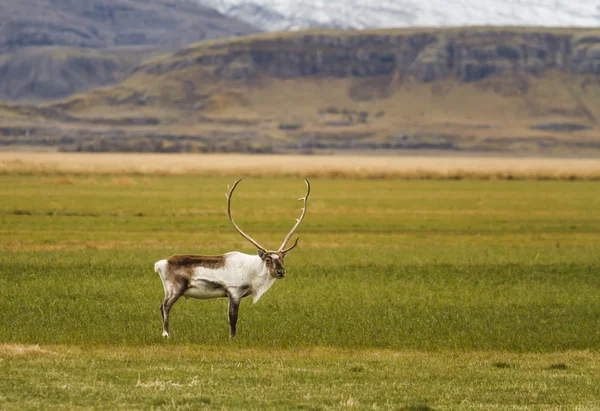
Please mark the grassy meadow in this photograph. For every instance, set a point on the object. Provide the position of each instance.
(402, 294)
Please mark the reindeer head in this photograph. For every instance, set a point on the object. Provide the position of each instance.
(274, 262)
(273, 259)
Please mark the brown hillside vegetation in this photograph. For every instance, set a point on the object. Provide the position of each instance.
(470, 89)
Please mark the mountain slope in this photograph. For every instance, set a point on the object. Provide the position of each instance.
(38, 73)
(515, 89)
(107, 23)
(275, 15)
(50, 49)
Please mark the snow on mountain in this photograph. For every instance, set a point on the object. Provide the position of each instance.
(276, 15)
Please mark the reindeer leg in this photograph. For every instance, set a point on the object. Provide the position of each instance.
(162, 315)
(171, 298)
(233, 307)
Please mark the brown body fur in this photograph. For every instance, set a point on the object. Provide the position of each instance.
(191, 260)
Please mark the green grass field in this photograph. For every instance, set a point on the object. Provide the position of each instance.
(410, 295)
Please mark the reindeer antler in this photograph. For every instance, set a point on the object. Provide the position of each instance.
(298, 221)
(246, 236)
(287, 238)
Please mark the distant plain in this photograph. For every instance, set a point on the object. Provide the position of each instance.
(414, 165)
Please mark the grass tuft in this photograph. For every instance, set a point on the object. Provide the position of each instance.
(357, 368)
(418, 407)
(503, 365)
(64, 180)
(21, 212)
(123, 181)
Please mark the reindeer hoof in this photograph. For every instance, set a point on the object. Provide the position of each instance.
(165, 334)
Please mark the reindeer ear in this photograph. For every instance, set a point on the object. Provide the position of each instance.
(262, 254)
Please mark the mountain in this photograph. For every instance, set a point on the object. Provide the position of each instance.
(53, 72)
(50, 49)
(108, 23)
(524, 90)
(276, 15)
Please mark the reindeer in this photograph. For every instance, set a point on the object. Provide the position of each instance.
(233, 275)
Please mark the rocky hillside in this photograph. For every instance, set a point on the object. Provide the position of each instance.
(512, 89)
(108, 23)
(50, 49)
(467, 55)
(54, 72)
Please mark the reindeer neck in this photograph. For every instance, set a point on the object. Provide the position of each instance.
(257, 274)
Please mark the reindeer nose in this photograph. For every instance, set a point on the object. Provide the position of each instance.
(280, 273)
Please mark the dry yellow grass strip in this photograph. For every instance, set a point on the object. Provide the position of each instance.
(473, 357)
(410, 167)
(7, 350)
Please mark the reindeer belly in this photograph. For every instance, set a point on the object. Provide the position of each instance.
(203, 289)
